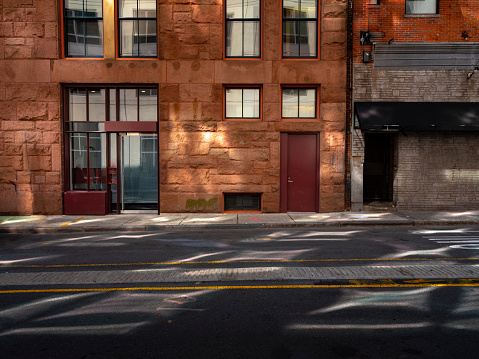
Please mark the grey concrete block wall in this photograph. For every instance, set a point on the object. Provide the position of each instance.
(413, 86)
(435, 170)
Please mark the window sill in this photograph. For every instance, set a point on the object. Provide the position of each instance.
(408, 16)
(242, 120)
(299, 119)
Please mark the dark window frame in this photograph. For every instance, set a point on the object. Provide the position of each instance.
(243, 87)
(137, 19)
(68, 16)
(421, 13)
(297, 25)
(68, 127)
(316, 103)
(243, 20)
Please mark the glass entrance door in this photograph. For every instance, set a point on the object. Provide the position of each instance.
(137, 187)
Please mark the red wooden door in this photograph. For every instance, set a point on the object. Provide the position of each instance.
(300, 173)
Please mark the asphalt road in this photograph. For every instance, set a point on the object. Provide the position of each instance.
(375, 318)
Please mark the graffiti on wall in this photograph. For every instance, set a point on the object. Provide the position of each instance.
(201, 204)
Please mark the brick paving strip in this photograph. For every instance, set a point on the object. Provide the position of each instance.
(166, 275)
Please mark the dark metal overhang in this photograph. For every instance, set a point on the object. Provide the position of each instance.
(417, 116)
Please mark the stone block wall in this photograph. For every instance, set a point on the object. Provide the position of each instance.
(201, 155)
(30, 128)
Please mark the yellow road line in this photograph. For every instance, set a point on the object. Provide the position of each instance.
(237, 261)
(232, 287)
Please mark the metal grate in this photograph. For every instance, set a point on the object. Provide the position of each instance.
(242, 202)
(425, 56)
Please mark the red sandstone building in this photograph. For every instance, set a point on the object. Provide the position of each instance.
(415, 129)
(173, 106)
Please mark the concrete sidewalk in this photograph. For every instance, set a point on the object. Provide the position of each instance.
(155, 222)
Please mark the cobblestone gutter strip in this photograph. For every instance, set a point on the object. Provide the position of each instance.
(241, 274)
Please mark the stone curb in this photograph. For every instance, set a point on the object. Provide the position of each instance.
(151, 228)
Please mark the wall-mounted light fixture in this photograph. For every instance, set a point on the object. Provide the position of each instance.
(474, 70)
(365, 38)
(465, 35)
(470, 74)
(391, 41)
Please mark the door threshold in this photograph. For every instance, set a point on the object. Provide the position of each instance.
(139, 211)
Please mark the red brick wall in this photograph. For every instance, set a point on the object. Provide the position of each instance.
(201, 156)
(454, 17)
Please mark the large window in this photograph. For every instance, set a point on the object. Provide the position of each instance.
(242, 103)
(300, 28)
(137, 28)
(83, 28)
(299, 103)
(243, 28)
(86, 112)
(421, 7)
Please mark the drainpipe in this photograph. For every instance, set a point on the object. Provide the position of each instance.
(349, 106)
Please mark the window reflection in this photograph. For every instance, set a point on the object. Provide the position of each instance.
(96, 105)
(299, 103)
(242, 103)
(88, 161)
(300, 28)
(128, 105)
(77, 105)
(421, 7)
(138, 28)
(243, 28)
(148, 102)
(83, 28)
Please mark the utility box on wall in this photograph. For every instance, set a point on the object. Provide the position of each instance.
(367, 56)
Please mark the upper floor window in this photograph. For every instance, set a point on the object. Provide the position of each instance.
(137, 26)
(243, 28)
(299, 103)
(414, 7)
(242, 103)
(83, 28)
(300, 28)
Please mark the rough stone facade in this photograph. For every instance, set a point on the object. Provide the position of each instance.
(432, 170)
(201, 156)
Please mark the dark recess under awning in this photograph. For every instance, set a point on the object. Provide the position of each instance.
(418, 116)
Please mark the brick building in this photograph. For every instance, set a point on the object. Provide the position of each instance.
(414, 133)
(172, 105)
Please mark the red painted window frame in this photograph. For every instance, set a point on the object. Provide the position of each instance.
(260, 87)
(318, 54)
(316, 118)
(260, 38)
(62, 37)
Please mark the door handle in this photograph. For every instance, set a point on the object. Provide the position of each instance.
(289, 180)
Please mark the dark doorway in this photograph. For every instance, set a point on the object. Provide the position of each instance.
(299, 172)
(378, 160)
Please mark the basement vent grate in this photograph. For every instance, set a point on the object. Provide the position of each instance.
(242, 202)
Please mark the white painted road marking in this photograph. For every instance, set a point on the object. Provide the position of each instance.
(461, 241)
